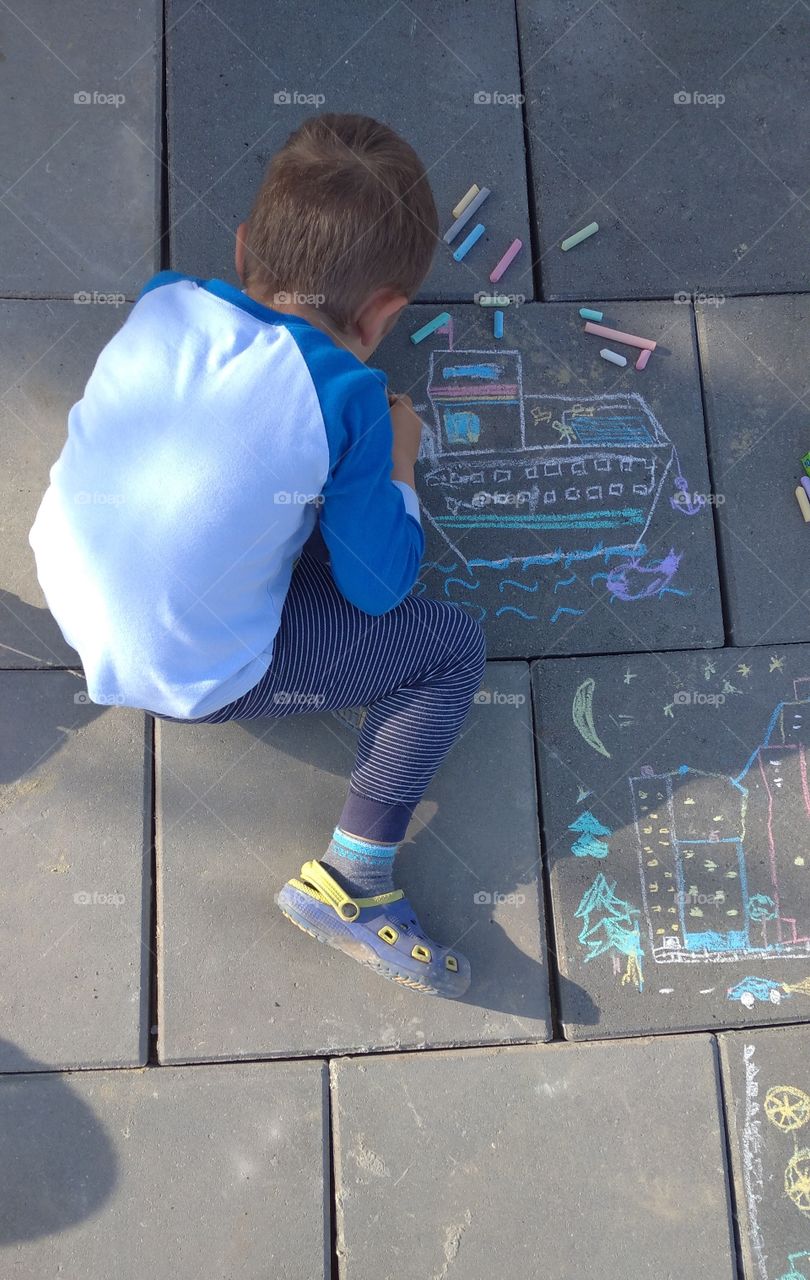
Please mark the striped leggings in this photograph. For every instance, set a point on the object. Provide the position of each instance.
(415, 669)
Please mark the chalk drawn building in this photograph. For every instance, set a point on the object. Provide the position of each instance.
(718, 876)
(586, 473)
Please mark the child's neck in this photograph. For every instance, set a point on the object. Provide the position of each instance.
(314, 317)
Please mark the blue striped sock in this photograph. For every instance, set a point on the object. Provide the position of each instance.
(363, 867)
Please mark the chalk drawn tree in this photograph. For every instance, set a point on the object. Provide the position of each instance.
(608, 927)
(763, 909)
(589, 845)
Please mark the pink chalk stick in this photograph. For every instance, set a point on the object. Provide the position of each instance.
(506, 261)
(616, 334)
(806, 485)
(641, 363)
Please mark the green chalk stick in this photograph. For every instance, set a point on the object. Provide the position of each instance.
(432, 325)
(579, 237)
(806, 463)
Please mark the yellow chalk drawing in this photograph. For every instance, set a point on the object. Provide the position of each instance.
(582, 713)
(797, 1180)
(787, 1107)
(632, 973)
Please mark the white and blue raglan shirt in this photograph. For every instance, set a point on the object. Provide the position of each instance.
(211, 435)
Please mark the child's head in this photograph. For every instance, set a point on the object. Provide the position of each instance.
(345, 216)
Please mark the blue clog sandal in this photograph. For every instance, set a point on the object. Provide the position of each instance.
(381, 932)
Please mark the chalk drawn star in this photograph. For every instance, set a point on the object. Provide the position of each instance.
(565, 431)
(629, 675)
(709, 669)
(582, 794)
(728, 687)
(744, 670)
(669, 710)
(777, 664)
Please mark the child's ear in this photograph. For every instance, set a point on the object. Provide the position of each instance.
(378, 315)
(239, 250)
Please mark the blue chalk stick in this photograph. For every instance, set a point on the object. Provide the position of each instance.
(587, 314)
(497, 324)
(465, 246)
(432, 325)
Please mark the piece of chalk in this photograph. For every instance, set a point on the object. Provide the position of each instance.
(587, 314)
(804, 503)
(641, 363)
(806, 463)
(806, 485)
(617, 336)
(494, 300)
(497, 324)
(465, 246)
(465, 200)
(506, 261)
(432, 325)
(591, 228)
(473, 207)
(613, 356)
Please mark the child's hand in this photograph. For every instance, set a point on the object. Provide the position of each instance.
(407, 431)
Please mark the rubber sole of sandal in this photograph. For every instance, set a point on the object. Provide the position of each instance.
(364, 955)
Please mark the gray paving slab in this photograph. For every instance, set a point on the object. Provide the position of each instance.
(445, 76)
(562, 1161)
(167, 1172)
(75, 825)
(80, 203)
(47, 352)
(766, 1083)
(626, 128)
(242, 806)
(754, 355)
(567, 520)
(676, 824)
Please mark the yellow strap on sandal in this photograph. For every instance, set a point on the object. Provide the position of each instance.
(318, 883)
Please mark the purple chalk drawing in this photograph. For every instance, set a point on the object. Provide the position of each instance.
(633, 580)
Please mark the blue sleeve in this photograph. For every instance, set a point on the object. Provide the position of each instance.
(370, 523)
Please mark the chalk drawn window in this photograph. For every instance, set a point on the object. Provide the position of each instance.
(640, 488)
(462, 427)
(477, 477)
(437, 477)
(615, 489)
(578, 467)
(601, 464)
(625, 464)
(550, 495)
(502, 475)
(551, 469)
(530, 473)
(593, 492)
(524, 496)
(572, 494)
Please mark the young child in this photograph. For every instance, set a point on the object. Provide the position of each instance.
(218, 427)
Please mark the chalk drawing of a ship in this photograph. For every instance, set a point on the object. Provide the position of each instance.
(505, 474)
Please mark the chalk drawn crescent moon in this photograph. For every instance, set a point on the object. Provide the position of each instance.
(582, 712)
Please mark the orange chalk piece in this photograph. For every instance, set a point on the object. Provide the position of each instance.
(616, 335)
(641, 363)
(804, 503)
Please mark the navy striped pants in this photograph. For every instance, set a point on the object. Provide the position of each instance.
(415, 669)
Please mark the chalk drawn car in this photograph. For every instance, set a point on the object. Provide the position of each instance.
(752, 989)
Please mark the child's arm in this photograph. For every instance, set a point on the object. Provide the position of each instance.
(370, 512)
